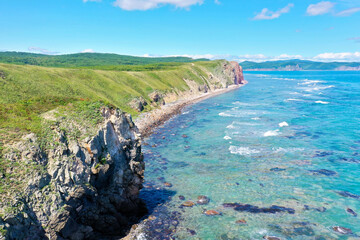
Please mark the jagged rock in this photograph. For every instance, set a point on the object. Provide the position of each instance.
(87, 188)
(157, 98)
(138, 104)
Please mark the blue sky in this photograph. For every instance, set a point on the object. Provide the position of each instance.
(234, 29)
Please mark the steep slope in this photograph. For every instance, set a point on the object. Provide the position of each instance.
(77, 171)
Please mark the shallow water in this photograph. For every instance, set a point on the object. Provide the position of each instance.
(289, 139)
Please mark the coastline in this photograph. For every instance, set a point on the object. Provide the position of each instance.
(148, 121)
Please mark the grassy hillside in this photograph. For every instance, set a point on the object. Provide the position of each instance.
(28, 91)
(93, 60)
(304, 65)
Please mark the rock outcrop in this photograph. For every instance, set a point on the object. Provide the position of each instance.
(86, 189)
(238, 73)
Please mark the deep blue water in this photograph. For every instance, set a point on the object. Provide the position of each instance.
(289, 139)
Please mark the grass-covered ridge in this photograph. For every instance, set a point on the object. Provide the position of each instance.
(94, 60)
(28, 91)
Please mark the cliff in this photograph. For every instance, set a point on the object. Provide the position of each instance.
(79, 176)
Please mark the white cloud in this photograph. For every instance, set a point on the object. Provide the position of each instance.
(87, 51)
(344, 56)
(323, 57)
(131, 5)
(348, 12)
(41, 50)
(320, 8)
(356, 39)
(266, 14)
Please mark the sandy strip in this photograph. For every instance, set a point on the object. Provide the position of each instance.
(146, 122)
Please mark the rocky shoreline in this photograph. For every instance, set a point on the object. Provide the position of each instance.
(146, 122)
(84, 174)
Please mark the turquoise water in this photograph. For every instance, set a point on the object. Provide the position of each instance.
(289, 139)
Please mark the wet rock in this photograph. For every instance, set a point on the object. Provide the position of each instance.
(138, 104)
(322, 154)
(323, 172)
(342, 230)
(211, 213)
(255, 209)
(203, 200)
(352, 212)
(192, 232)
(319, 209)
(188, 204)
(181, 197)
(348, 194)
(271, 238)
(277, 169)
(241, 221)
(167, 184)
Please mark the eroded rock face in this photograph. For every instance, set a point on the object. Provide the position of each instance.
(89, 188)
(235, 71)
(138, 104)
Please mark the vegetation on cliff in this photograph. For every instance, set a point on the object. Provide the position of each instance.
(93, 60)
(69, 121)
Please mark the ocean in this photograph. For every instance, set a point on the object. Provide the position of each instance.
(281, 154)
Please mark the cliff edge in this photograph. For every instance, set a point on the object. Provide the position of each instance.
(80, 176)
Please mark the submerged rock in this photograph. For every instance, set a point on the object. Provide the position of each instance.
(323, 172)
(188, 204)
(277, 169)
(352, 212)
(255, 209)
(342, 230)
(348, 194)
(241, 221)
(167, 184)
(212, 213)
(271, 238)
(181, 197)
(203, 200)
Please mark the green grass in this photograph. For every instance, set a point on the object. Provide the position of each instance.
(28, 91)
(93, 60)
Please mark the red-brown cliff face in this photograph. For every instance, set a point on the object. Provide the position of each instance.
(238, 72)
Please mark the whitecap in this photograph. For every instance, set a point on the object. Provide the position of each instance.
(322, 102)
(187, 112)
(272, 133)
(294, 99)
(280, 149)
(242, 150)
(227, 138)
(283, 124)
(224, 114)
(255, 118)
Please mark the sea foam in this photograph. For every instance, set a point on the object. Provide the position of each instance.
(272, 133)
(242, 150)
(283, 124)
(322, 102)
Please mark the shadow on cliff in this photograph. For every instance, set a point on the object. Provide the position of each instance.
(18, 230)
(155, 197)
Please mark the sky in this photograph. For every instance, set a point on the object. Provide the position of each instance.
(256, 30)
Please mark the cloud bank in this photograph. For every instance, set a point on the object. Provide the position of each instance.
(131, 5)
(320, 8)
(266, 14)
(41, 50)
